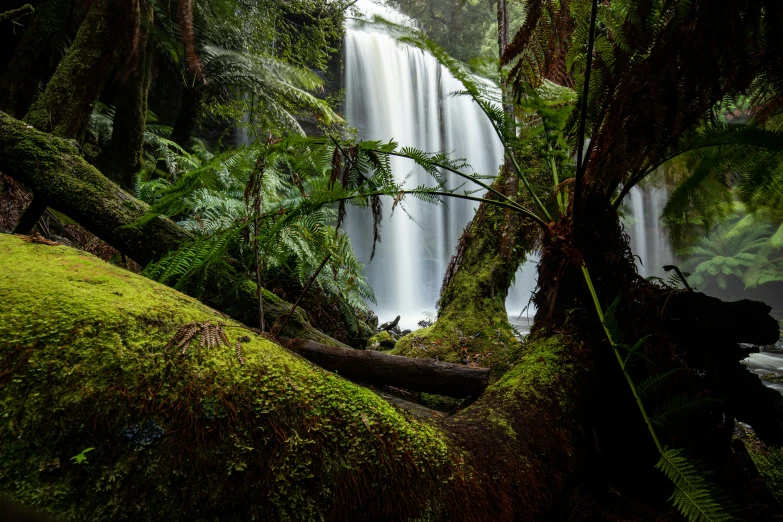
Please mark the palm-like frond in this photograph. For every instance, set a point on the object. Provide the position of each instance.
(740, 248)
(280, 90)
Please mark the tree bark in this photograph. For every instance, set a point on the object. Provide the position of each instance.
(187, 120)
(35, 56)
(65, 107)
(31, 215)
(53, 169)
(123, 157)
(424, 375)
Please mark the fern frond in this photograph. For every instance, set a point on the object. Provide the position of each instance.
(694, 496)
(672, 412)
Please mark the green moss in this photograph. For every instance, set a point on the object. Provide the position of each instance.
(439, 402)
(381, 341)
(768, 460)
(82, 363)
(65, 106)
(462, 337)
(544, 366)
(52, 167)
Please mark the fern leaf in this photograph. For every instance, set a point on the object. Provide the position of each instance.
(694, 496)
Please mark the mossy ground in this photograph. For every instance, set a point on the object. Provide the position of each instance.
(82, 364)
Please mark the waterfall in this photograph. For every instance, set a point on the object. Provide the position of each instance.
(394, 91)
(649, 242)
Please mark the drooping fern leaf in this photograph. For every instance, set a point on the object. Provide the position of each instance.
(694, 496)
(671, 414)
(648, 386)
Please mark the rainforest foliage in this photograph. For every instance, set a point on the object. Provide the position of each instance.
(200, 144)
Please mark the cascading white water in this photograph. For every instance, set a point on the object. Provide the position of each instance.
(394, 91)
(649, 242)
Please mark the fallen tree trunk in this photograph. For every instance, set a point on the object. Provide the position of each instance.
(55, 171)
(203, 435)
(425, 375)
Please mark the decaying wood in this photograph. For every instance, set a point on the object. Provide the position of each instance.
(424, 375)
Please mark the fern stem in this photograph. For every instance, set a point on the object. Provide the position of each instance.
(556, 179)
(580, 162)
(259, 288)
(522, 210)
(514, 162)
(620, 361)
(278, 329)
(455, 171)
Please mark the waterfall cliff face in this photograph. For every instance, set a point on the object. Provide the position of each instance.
(394, 91)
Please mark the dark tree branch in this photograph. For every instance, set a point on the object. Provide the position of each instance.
(13, 14)
(425, 375)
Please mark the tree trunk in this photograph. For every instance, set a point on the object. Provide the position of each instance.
(187, 120)
(35, 56)
(123, 157)
(472, 316)
(679, 338)
(52, 169)
(65, 107)
(510, 228)
(31, 215)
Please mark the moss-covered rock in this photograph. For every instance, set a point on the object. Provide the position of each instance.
(197, 436)
(381, 341)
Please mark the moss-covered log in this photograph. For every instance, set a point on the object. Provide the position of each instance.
(200, 436)
(54, 170)
(16, 13)
(372, 367)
